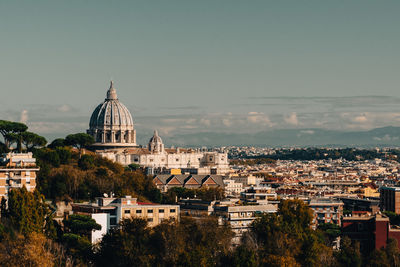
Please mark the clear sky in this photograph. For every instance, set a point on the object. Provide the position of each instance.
(192, 66)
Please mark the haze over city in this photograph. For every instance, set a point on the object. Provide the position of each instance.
(192, 67)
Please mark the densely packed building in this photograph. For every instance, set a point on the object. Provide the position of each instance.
(333, 188)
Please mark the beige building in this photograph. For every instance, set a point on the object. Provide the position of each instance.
(246, 179)
(128, 207)
(154, 214)
(232, 188)
(240, 218)
(17, 170)
(326, 210)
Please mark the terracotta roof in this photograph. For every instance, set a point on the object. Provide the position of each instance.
(145, 203)
(137, 151)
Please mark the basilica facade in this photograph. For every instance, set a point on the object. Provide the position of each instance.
(112, 127)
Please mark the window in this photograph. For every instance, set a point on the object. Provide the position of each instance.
(177, 159)
(149, 211)
(172, 210)
(151, 160)
(160, 211)
(113, 212)
(127, 211)
(149, 219)
(138, 211)
(113, 221)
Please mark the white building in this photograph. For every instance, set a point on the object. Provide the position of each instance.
(232, 188)
(112, 127)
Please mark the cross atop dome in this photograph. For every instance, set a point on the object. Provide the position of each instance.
(112, 93)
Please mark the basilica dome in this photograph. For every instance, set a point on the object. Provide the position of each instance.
(111, 122)
(111, 112)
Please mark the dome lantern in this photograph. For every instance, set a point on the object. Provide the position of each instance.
(112, 93)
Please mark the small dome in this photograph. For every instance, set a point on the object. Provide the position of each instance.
(155, 138)
(111, 112)
(155, 144)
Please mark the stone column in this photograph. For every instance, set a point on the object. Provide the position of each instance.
(129, 136)
(103, 136)
(112, 137)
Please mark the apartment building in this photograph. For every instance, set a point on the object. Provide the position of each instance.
(17, 170)
(390, 199)
(232, 188)
(326, 210)
(239, 218)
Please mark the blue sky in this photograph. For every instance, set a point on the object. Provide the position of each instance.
(193, 66)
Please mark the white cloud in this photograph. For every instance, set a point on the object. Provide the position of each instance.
(360, 119)
(258, 118)
(386, 137)
(42, 127)
(64, 108)
(205, 122)
(165, 130)
(24, 116)
(292, 119)
(188, 127)
(227, 122)
(190, 121)
(307, 132)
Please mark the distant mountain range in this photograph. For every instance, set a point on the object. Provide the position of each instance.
(386, 136)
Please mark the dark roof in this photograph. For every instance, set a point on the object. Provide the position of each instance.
(183, 178)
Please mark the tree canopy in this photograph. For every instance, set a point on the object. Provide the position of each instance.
(79, 140)
(286, 239)
(31, 140)
(57, 143)
(26, 210)
(8, 128)
(186, 243)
